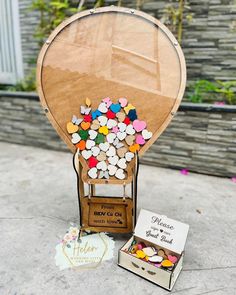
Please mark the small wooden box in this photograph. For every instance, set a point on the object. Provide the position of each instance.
(162, 233)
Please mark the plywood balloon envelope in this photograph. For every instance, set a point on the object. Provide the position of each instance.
(113, 53)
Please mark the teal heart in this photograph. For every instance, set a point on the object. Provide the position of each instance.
(115, 108)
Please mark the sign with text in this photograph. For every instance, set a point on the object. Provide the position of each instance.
(162, 231)
(107, 215)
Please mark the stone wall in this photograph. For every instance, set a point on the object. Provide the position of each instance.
(201, 138)
(28, 23)
(209, 42)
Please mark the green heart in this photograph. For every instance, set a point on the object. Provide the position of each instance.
(84, 134)
(100, 138)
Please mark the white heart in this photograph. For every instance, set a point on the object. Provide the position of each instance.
(104, 146)
(111, 137)
(122, 127)
(102, 165)
(102, 120)
(129, 156)
(95, 151)
(103, 107)
(130, 129)
(89, 144)
(146, 134)
(122, 163)
(121, 135)
(112, 170)
(120, 174)
(113, 160)
(111, 152)
(92, 134)
(75, 138)
(117, 143)
(92, 173)
(111, 123)
(86, 154)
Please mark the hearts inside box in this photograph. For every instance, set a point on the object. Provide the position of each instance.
(108, 137)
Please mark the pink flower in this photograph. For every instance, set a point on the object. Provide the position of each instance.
(184, 171)
(115, 129)
(233, 179)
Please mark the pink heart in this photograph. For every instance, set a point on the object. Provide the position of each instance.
(139, 125)
(158, 265)
(115, 129)
(140, 140)
(108, 101)
(173, 259)
(123, 102)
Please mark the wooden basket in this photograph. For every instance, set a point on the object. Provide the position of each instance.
(102, 213)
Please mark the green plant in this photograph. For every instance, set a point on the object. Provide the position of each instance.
(228, 90)
(28, 84)
(174, 15)
(207, 91)
(52, 13)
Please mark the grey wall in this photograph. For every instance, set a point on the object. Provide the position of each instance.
(209, 41)
(201, 138)
(28, 24)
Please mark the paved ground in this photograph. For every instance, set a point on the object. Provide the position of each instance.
(38, 200)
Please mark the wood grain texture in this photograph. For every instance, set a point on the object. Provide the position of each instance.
(114, 53)
(107, 214)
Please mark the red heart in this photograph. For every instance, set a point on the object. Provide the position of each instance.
(126, 121)
(88, 118)
(111, 115)
(92, 162)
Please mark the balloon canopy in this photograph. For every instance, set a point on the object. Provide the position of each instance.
(111, 52)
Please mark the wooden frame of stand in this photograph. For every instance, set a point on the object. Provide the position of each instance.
(138, 59)
(100, 213)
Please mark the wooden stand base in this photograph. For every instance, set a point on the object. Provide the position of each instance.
(106, 214)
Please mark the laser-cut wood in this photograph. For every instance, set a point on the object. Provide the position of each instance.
(112, 52)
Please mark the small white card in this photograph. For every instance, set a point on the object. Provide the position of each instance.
(91, 250)
(162, 231)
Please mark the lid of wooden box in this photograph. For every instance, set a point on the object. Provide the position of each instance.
(161, 230)
(111, 52)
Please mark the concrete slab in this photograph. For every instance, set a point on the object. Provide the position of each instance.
(38, 200)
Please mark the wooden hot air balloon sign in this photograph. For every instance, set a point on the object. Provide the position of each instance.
(110, 80)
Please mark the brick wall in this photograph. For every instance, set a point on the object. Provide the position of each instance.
(201, 138)
(209, 42)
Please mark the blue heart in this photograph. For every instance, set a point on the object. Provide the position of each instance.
(96, 114)
(115, 108)
(132, 115)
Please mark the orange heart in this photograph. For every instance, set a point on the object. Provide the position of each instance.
(85, 125)
(71, 128)
(135, 147)
(81, 145)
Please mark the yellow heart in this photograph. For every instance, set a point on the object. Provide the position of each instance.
(128, 108)
(166, 263)
(140, 254)
(71, 128)
(103, 130)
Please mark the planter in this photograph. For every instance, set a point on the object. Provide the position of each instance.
(201, 138)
